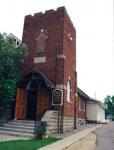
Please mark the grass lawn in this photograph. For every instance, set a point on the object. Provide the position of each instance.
(32, 144)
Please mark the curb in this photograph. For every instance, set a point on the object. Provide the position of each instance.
(68, 141)
(86, 143)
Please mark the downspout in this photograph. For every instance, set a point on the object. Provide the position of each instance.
(86, 108)
(75, 111)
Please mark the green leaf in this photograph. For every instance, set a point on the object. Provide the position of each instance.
(10, 73)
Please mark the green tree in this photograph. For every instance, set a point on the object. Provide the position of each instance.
(109, 102)
(10, 56)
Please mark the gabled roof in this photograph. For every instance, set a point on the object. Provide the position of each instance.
(89, 99)
(36, 79)
(80, 92)
(14, 37)
(94, 101)
(46, 78)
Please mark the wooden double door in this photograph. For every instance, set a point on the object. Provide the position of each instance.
(31, 104)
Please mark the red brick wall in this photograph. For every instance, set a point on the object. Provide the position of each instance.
(52, 22)
(58, 25)
(81, 113)
(69, 48)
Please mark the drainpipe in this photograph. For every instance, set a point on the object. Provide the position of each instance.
(75, 111)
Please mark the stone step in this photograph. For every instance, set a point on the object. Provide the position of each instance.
(23, 121)
(17, 130)
(16, 134)
(52, 129)
(22, 124)
(19, 126)
(22, 128)
(52, 123)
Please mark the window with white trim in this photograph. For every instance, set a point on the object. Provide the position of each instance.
(68, 92)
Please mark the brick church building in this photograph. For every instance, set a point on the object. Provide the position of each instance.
(49, 64)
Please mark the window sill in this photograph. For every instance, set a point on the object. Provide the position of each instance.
(82, 110)
(69, 102)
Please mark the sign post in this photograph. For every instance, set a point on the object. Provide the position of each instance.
(57, 99)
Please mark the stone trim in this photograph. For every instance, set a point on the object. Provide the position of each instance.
(39, 59)
(61, 56)
(68, 123)
(51, 117)
(60, 86)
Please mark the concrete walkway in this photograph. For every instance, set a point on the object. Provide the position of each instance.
(87, 143)
(70, 141)
(69, 133)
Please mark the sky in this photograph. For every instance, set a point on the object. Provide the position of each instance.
(93, 20)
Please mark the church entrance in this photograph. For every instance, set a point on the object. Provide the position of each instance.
(31, 105)
(33, 97)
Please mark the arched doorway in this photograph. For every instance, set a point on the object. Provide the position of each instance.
(31, 104)
(33, 97)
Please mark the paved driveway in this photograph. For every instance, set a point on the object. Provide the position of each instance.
(105, 137)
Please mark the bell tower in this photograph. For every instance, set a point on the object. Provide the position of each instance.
(51, 41)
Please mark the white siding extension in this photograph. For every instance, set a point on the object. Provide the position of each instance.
(95, 112)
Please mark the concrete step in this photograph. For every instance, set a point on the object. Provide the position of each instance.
(16, 134)
(22, 128)
(19, 126)
(23, 121)
(17, 130)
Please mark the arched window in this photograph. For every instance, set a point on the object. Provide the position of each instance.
(68, 92)
(41, 40)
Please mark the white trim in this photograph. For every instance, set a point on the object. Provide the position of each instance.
(60, 86)
(39, 59)
(68, 92)
(61, 56)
